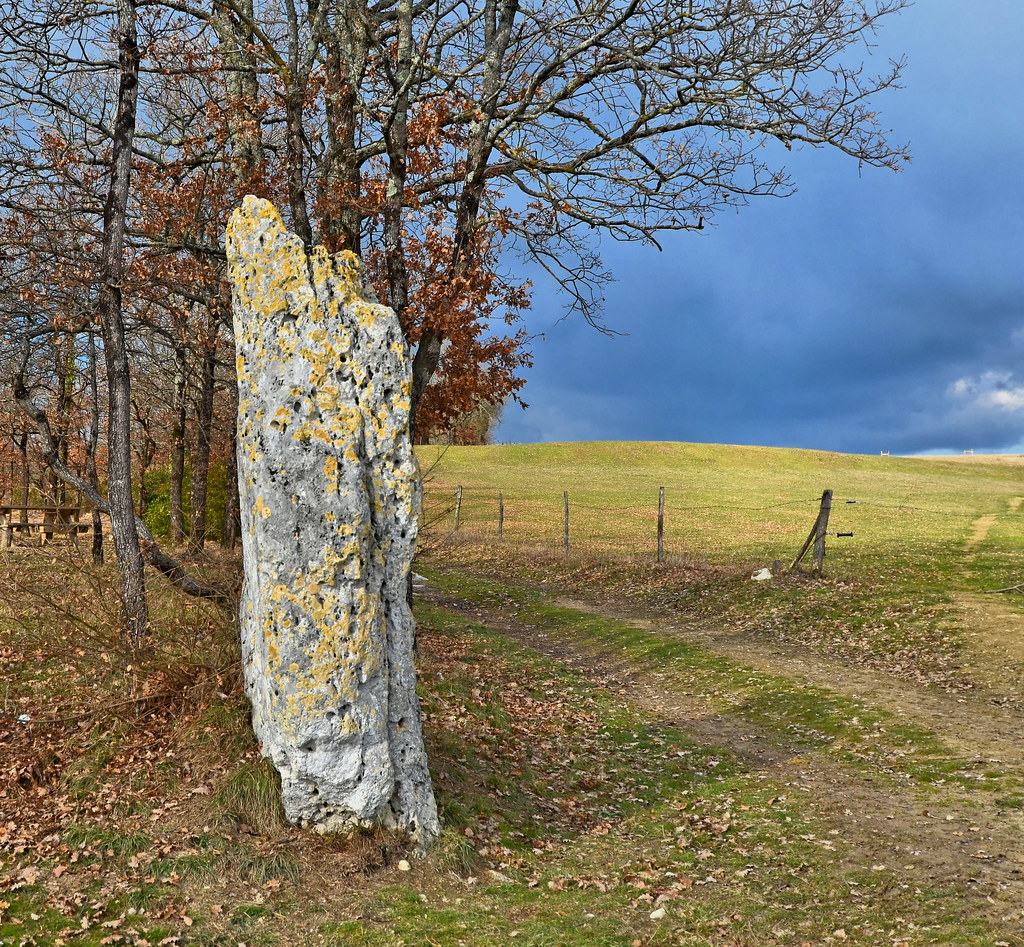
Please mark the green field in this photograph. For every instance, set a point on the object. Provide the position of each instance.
(625, 752)
(721, 503)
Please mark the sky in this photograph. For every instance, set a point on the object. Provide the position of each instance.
(869, 312)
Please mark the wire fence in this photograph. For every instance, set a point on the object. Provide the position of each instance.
(665, 522)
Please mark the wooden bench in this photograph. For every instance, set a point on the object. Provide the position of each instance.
(46, 521)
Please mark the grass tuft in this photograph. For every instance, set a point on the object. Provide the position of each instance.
(259, 867)
(251, 795)
(454, 853)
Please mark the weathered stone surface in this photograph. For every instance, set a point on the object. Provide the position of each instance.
(330, 496)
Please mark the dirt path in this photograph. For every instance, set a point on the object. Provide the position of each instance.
(950, 835)
(989, 727)
(980, 530)
(994, 623)
(956, 837)
(983, 524)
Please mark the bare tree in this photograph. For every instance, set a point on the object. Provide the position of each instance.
(557, 121)
(115, 349)
(630, 119)
(69, 99)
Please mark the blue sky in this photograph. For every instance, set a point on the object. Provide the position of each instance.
(870, 311)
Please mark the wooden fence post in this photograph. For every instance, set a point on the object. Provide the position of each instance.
(501, 516)
(817, 534)
(565, 538)
(661, 524)
(458, 505)
(819, 539)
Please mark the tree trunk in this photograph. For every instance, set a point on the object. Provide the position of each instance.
(303, 54)
(145, 454)
(134, 610)
(91, 449)
(235, 38)
(201, 450)
(424, 364)
(178, 415)
(229, 533)
(143, 501)
(294, 154)
(396, 137)
(65, 371)
(341, 218)
(230, 526)
(26, 478)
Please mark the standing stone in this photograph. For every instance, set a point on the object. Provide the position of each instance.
(330, 496)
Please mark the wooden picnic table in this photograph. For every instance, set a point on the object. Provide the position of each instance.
(47, 520)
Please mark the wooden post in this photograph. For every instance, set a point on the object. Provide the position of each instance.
(458, 505)
(819, 539)
(501, 516)
(661, 524)
(45, 533)
(817, 534)
(565, 539)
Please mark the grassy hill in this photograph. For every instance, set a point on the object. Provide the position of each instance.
(722, 503)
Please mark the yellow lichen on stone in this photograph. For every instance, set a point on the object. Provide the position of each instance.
(331, 477)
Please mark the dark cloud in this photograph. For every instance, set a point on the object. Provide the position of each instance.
(870, 311)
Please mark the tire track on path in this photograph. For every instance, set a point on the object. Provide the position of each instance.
(954, 838)
(994, 624)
